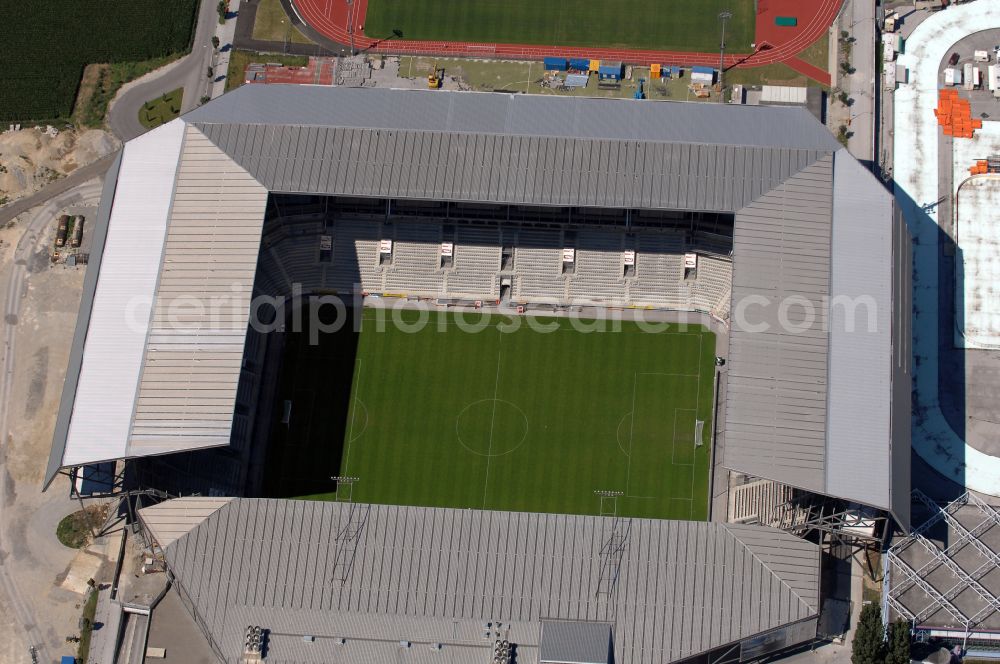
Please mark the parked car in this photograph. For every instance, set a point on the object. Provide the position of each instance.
(953, 60)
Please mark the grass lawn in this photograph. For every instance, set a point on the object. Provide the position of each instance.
(162, 109)
(271, 23)
(510, 420)
(775, 74)
(76, 530)
(652, 24)
(818, 53)
(238, 61)
(87, 630)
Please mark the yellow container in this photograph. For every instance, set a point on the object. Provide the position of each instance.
(654, 70)
(595, 65)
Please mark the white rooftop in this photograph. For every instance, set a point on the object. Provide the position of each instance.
(977, 234)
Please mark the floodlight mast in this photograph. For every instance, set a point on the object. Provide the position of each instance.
(350, 24)
(723, 16)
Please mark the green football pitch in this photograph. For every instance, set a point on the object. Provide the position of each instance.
(496, 418)
(671, 25)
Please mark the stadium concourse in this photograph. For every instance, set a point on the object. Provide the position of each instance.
(750, 218)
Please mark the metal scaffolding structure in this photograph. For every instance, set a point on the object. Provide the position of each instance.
(802, 512)
(944, 576)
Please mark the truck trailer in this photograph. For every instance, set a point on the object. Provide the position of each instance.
(62, 230)
(77, 231)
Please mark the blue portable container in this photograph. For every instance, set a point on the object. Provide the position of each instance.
(555, 64)
(610, 70)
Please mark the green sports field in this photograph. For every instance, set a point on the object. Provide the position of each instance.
(671, 25)
(497, 419)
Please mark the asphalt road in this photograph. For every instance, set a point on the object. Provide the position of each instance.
(189, 72)
(19, 601)
(92, 170)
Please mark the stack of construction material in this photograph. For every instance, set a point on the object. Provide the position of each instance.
(955, 115)
(981, 166)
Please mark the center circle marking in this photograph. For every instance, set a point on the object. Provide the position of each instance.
(486, 440)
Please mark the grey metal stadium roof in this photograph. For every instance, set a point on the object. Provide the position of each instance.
(377, 575)
(574, 642)
(812, 404)
(811, 225)
(516, 115)
(535, 170)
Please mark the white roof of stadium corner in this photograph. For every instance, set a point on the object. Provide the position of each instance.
(154, 367)
(377, 575)
(782, 173)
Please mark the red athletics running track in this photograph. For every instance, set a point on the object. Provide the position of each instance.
(774, 44)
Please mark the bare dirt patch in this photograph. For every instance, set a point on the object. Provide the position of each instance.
(31, 158)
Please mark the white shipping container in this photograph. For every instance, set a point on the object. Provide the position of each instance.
(977, 82)
(982, 56)
(992, 75)
(902, 74)
(894, 40)
(888, 52)
(952, 76)
(889, 76)
(967, 77)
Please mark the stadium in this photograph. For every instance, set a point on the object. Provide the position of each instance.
(494, 378)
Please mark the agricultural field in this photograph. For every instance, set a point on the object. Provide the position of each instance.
(468, 413)
(46, 46)
(679, 25)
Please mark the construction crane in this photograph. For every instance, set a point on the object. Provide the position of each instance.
(435, 78)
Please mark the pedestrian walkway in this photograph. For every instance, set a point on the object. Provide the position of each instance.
(106, 623)
(226, 32)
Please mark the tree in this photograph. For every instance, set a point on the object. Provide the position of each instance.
(899, 643)
(210, 72)
(869, 637)
(215, 42)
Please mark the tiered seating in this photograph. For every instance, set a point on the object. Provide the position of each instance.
(269, 280)
(416, 260)
(598, 274)
(659, 271)
(538, 266)
(477, 261)
(355, 257)
(711, 243)
(290, 253)
(299, 257)
(711, 290)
